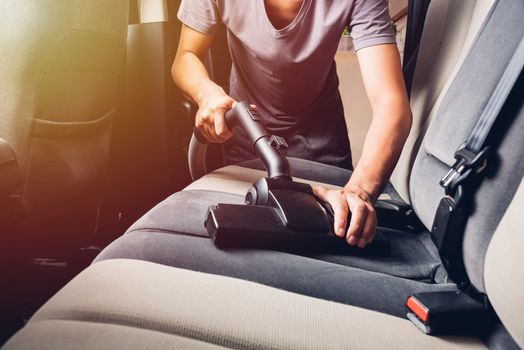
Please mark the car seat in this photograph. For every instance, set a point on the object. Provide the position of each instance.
(59, 69)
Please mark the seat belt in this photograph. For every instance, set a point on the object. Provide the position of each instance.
(471, 159)
(417, 11)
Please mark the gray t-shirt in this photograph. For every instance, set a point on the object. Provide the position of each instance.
(290, 73)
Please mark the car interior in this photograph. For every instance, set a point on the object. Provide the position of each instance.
(103, 220)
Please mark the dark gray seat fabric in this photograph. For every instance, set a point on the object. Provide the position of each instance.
(412, 256)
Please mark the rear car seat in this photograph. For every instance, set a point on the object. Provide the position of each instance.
(135, 304)
(145, 296)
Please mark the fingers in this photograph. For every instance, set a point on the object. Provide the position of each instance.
(368, 233)
(340, 207)
(358, 220)
(210, 119)
(340, 213)
(220, 128)
(211, 123)
(201, 125)
(363, 221)
(320, 192)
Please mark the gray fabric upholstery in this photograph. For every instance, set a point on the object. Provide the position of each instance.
(183, 212)
(222, 311)
(481, 71)
(59, 68)
(412, 256)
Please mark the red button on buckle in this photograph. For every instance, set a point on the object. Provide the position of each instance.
(418, 309)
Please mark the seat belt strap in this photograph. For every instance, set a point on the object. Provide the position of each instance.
(471, 158)
(417, 11)
(481, 130)
(472, 155)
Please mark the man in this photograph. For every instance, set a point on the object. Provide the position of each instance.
(283, 62)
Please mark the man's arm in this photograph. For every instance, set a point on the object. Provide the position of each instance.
(384, 84)
(191, 76)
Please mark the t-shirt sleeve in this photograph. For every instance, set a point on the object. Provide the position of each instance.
(201, 15)
(370, 24)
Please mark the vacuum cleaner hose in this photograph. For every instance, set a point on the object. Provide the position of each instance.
(267, 147)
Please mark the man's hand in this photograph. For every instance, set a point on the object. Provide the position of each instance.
(213, 103)
(352, 200)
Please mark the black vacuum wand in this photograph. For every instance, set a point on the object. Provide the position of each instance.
(267, 147)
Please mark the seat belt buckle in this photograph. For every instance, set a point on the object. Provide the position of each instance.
(466, 161)
(446, 313)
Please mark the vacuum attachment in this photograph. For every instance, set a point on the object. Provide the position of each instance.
(282, 215)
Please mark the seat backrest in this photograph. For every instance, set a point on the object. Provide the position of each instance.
(453, 122)
(449, 30)
(503, 274)
(58, 69)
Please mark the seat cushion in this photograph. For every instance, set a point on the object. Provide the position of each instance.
(413, 256)
(158, 304)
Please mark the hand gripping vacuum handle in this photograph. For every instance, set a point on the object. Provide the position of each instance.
(267, 147)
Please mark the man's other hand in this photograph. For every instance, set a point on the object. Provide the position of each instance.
(356, 201)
